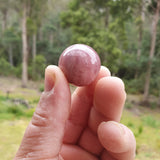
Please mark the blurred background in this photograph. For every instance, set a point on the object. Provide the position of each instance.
(125, 34)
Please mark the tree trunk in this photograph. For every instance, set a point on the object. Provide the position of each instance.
(51, 39)
(158, 102)
(34, 48)
(107, 17)
(159, 99)
(10, 51)
(151, 54)
(4, 20)
(139, 48)
(40, 34)
(24, 48)
(140, 34)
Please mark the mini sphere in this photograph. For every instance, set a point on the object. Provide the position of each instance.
(80, 64)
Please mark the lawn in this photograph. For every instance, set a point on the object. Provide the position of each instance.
(10, 137)
(146, 129)
(14, 118)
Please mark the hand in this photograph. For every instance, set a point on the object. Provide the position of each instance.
(82, 127)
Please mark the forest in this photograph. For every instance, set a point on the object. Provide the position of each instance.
(125, 34)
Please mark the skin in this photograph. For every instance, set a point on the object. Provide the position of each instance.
(84, 126)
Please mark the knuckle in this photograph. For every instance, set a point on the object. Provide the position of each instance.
(40, 119)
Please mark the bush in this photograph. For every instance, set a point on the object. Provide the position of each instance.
(29, 113)
(9, 109)
(17, 110)
(128, 105)
(139, 131)
(18, 71)
(36, 68)
(41, 88)
(5, 68)
(134, 86)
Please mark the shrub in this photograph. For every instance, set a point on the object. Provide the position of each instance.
(5, 68)
(134, 86)
(9, 109)
(17, 110)
(36, 68)
(18, 71)
(130, 124)
(128, 105)
(41, 88)
(29, 112)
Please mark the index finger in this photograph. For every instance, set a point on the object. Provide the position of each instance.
(82, 101)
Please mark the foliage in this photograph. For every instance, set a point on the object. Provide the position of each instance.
(5, 68)
(36, 69)
(41, 88)
(134, 86)
(10, 110)
(88, 28)
(111, 27)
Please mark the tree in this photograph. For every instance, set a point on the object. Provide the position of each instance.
(28, 8)
(10, 38)
(4, 5)
(90, 24)
(37, 11)
(25, 51)
(156, 11)
(140, 18)
(85, 30)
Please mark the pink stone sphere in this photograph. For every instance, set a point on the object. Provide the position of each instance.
(80, 64)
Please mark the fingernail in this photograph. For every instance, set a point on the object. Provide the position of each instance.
(120, 127)
(49, 78)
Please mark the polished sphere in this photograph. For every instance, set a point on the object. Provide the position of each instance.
(80, 64)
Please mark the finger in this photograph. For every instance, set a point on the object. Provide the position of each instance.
(118, 141)
(109, 98)
(82, 101)
(44, 135)
(72, 152)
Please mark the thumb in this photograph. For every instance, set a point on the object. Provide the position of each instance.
(44, 136)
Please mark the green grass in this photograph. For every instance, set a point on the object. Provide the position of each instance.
(13, 121)
(147, 133)
(14, 118)
(151, 121)
(9, 110)
(10, 137)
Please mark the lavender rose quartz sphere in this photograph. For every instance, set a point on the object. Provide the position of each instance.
(80, 64)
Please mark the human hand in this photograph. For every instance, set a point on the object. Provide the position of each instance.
(82, 127)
